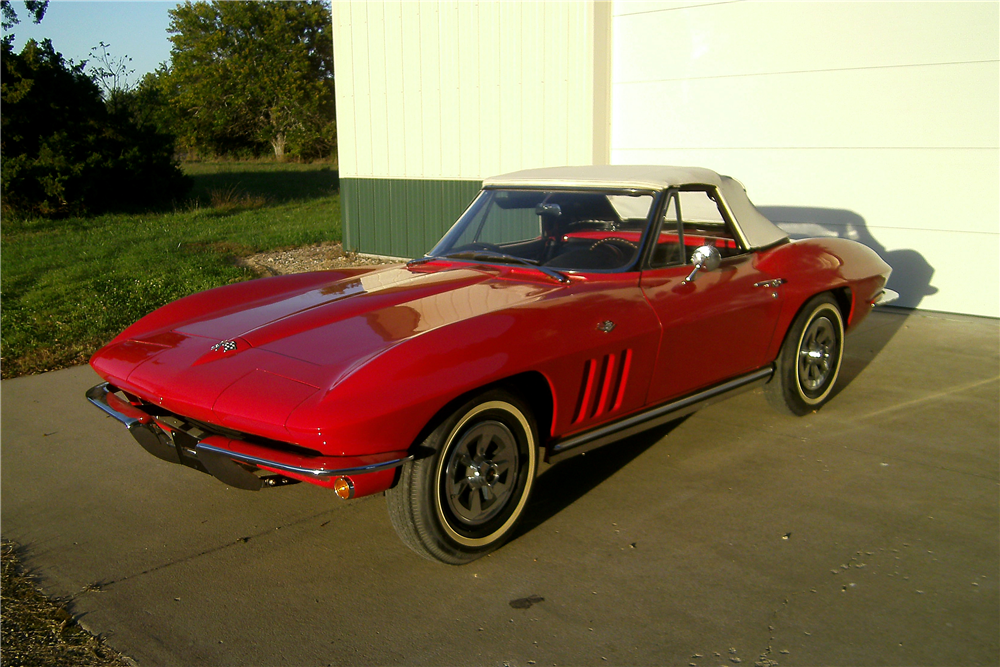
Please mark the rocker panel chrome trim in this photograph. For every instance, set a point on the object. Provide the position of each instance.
(662, 414)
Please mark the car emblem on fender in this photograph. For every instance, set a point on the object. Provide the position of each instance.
(224, 345)
(606, 326)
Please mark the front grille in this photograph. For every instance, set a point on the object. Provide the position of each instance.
(187, 432)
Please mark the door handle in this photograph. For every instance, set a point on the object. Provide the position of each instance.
(770, 283)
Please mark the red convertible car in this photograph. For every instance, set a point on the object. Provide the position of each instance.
(566, 309)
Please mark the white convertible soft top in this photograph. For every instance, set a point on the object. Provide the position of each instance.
(756, 229)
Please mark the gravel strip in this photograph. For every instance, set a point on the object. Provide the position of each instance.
(319, 257)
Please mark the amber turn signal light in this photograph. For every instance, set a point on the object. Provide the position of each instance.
(344, 488)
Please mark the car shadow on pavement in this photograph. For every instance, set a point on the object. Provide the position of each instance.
(564, 483)
(867, 341)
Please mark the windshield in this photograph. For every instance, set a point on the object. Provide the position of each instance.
(564, 231)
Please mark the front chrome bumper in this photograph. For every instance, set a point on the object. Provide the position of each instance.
(232, 460)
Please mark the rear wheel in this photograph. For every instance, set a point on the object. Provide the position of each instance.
(809, 361)
(463, 501)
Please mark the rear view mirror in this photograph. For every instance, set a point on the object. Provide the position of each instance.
(553, 210)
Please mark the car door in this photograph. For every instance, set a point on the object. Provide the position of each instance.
(718, 324)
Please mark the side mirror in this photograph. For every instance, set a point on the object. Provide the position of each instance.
(705, 258)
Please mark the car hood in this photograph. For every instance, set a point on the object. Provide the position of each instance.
(270, 354)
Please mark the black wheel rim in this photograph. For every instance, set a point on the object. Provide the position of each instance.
(818, 354)
(481, 473)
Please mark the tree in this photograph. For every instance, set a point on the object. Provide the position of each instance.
(111, 75)
(65, 151)
(9, 17)
(153, 95)
(247, 74)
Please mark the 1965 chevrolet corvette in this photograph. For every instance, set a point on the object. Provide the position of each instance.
(566, 309)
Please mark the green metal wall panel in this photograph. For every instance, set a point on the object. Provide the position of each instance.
(348, 216)
(396, 223)
(400, 217)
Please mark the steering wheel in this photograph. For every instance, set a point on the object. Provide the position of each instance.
(622, 249)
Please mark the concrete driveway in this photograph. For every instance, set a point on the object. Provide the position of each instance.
(867, 534)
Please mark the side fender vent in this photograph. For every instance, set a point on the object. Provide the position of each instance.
(603, 385)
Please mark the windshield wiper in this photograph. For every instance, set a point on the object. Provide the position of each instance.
(496, 256)
(504, 257)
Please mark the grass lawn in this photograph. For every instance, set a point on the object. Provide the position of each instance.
(68, 286)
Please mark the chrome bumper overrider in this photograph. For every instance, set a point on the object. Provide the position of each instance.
(886, 297)
(222, 456)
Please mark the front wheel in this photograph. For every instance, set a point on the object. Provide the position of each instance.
(809, 361)
(463, 500)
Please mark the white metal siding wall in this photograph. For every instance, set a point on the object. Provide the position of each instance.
(429, 90)
(877, 121)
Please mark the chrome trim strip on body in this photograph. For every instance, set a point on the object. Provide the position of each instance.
(887, 296)
(319, 473)
(656, 416)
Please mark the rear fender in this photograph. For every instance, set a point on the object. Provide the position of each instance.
(852, 272)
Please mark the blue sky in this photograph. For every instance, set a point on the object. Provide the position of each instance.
(137, 29)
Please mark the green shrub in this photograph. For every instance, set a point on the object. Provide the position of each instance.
(65, 153)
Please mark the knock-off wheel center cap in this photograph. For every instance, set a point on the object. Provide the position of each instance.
(816, 353)
(482, 473)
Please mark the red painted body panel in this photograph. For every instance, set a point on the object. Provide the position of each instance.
(414, 381)
(718, 326)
